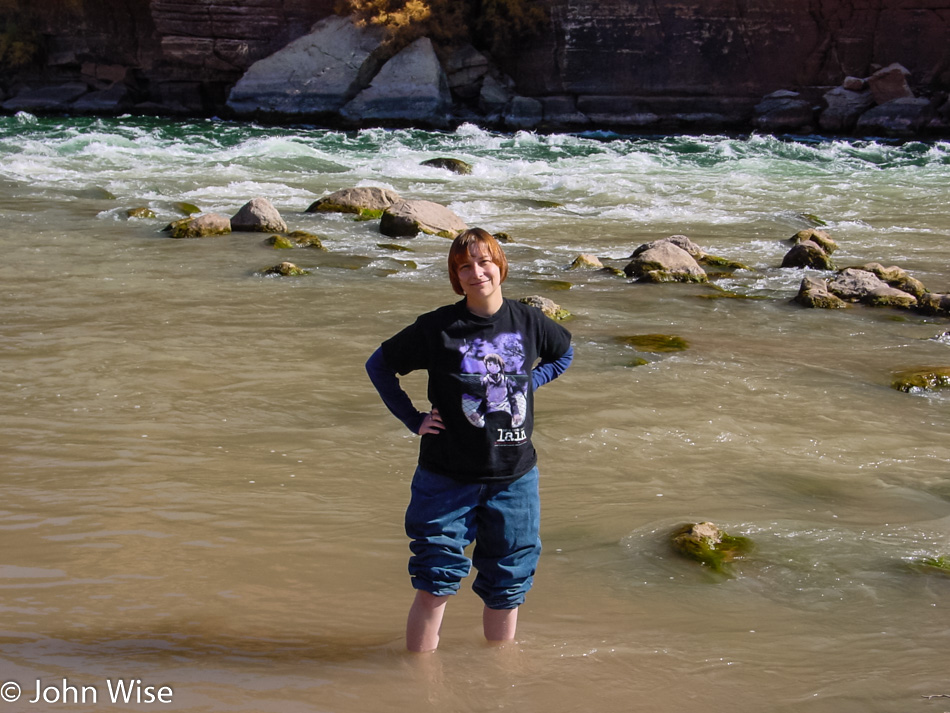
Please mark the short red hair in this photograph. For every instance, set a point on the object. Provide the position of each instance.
(461, 250)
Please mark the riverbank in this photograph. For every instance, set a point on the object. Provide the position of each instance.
(605, 66)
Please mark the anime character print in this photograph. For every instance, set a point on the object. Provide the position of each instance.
(496, 384)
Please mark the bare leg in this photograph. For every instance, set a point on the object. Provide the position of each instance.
(425, 622)
(500, 624)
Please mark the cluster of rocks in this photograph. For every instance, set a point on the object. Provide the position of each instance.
(869, 284)
(398, 217)
(883, 104)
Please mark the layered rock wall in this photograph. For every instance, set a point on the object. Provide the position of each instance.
(625, 63)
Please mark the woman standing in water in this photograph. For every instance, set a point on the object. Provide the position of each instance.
(477, 475)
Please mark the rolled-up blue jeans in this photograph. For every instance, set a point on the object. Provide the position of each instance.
(445, 516)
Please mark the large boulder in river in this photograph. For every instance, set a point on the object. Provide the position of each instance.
(410, 88)
(808, 254)
(819, 237)
(856, 285)
(367, 201)
(259, 215)
(667, 260)
(408, 218)
(315, 75)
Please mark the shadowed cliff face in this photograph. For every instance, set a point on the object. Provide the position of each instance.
(732, 47)
(611, 57)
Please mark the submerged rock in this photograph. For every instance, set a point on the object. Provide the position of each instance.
(932, 565)
(284, 269)
(409, 218)
(258, 215)
(655, 343)
(203, 226)
(186, 208)
(367, 202)
(455, 165)
(140, 212)
(929, 378)
(296, 239)
(707, 544)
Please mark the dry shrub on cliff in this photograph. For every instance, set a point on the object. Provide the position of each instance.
(491, 24)
(18, 46)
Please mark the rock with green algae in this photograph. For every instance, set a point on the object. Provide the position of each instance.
(550, 308)
(928, 378)
(204, 226)
(932, 565)
(296, 239)
(284, 269)
(707, 544)
(396, 247)
(655, 343)
(186, 208)
(455, 165)
(503, 237)
(808, 254)
(586, 261)
(819, 237)
(140, 212)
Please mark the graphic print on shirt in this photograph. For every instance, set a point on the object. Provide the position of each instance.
(495, 381)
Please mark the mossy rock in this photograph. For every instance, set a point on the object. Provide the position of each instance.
(929, 378)
(932, 565)
(723, 263)
(586, 261)
(296, 239)
(284, 269)
(395, 246)
(455, 165)
(204, 226)
(639, 361)
(539, 203)
(186, 208)
(554, 285)
(705, 543)
(813, 219)
(655, 343)
(140, 212)
(503, 237)
(96, 193)
(550, 308)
